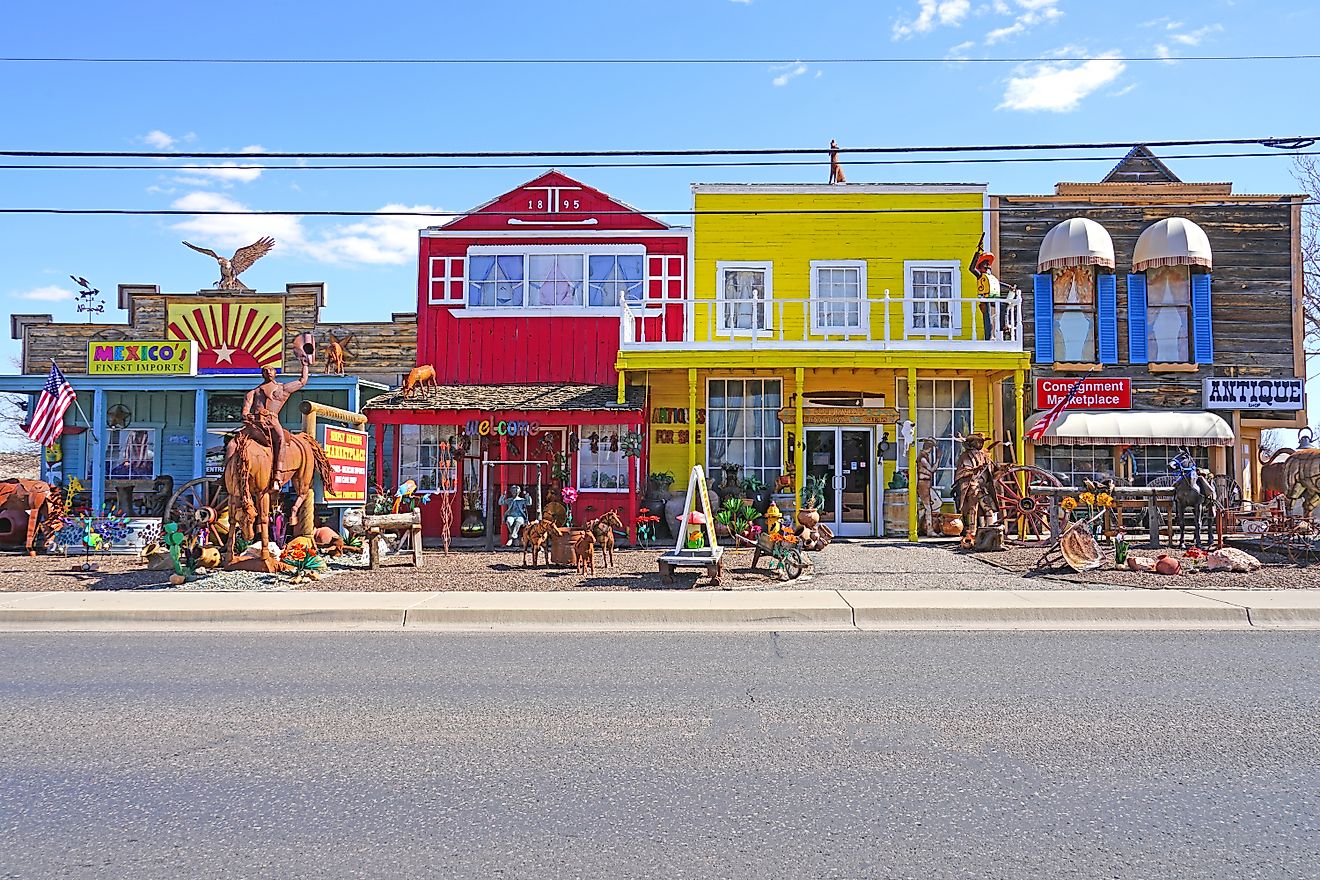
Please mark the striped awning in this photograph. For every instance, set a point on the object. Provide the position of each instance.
(1172, 242)
(1076, 242)
(1136, 429)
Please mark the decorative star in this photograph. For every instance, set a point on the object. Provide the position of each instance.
(224, 354)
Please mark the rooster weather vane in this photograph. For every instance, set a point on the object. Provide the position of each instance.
(236, 265)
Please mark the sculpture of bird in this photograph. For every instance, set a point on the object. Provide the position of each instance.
(81, 282)
(242, 259)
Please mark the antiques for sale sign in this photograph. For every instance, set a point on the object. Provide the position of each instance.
(1278, 394)
(1097, 393)
(346, 450)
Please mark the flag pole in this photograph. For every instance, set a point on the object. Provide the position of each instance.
(78, 406)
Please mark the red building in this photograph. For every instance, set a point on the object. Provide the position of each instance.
(521, 303)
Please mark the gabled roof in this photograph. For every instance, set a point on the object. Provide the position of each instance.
(553, 201)
(1140, 165)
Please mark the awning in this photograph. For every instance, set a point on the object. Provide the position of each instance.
(511, 398)
(1136, 429)
(1076, 242)
(1172, 242)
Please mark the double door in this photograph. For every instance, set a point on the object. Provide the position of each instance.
(844, 458)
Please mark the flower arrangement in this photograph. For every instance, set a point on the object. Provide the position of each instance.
(1194, 558)
(1093, 502)
(736, 514)
(302, 560)
(782, 544)
(646, 525)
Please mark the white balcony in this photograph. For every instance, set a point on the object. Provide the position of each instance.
(786, 323)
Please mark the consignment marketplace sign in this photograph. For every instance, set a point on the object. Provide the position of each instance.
(346, 450)
(1094, 394)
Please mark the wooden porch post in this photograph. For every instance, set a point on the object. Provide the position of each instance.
(380, 455)
(1019, 440)
(912, 454)
(692, 419)
(623, 389)
(800, 439)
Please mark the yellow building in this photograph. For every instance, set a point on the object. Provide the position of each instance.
(817, 320)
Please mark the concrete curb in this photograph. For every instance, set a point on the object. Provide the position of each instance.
(660, 610)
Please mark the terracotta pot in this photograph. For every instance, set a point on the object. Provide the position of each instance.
(1168, 565)
(809, 517)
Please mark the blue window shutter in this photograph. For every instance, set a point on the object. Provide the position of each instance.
(1137, 346)
(1106, 288)
(1044, 289)
(1203, 335)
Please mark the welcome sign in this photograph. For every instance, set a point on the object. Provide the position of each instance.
(175, 357)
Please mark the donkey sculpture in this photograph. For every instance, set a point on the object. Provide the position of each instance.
(1193, 489)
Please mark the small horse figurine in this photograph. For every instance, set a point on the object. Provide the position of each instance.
(534, 538)
(1193, 489)
(602, 529)
(584, 552)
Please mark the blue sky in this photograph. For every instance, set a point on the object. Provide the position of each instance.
(369, 263)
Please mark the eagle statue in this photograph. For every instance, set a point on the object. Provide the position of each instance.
(236, 265)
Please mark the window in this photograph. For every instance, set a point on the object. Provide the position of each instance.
(419, 455)
(130, 453)
(602, 466)
(1168, 314)
(555, 276)
(1074, 314)
(944, 408)
(495, 280)
(934, 291)
(744, 289)
(1072, 464)
(614, 278)
(1150, 462)
(742, 427)
(837, 293)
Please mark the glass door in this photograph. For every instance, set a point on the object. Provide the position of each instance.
(823, 465)
(842, 459)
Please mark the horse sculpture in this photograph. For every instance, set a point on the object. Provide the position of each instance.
(28, 496)
(253, 493)
(602, 530)
(1194, 489)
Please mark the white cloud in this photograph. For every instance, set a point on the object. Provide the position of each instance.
(49, 293)
(960, 50)
(933, 14)
(1026, 15)
(158, 139)
(1057, 86)
(1194, 38)
(743, 2)
(377, 240)
(790, 71)
(233, 231)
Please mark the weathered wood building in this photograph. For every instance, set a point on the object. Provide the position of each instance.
(1180, 303)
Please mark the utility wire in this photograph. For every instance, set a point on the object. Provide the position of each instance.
(1288, 143)
(693, 164)
(640, 62)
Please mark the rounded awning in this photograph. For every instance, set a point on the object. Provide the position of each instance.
(1076, 242)
(1172, 242)
(1129, 428)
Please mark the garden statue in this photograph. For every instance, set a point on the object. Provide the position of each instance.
(1194, 489)
(242, 259)
(928, 497)
(974, 484)
(991, 294)
(515, 511)
(335, 353)
(162, 489)
(836, 168)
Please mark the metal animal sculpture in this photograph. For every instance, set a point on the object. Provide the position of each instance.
(1194, 489)
(29, 496)
(602, 529)
(1301, 479)
(418, 378)
(335, 352)
(236, 265)
(584, 552)
(534, 538)
(836, 169)
(252, 484)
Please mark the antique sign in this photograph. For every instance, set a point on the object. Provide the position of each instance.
(233, 337)
(151, 358)
(1277, 394)
(1109, 393)
(346, 450)
(842, 415)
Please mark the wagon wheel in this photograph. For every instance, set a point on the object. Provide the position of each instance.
(195, 504)
(793, 564)
(1024, 502)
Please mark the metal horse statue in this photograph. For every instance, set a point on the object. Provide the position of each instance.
(1194, 489)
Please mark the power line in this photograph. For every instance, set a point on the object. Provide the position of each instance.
(816, 163)
(640, 62)
(1288, 143)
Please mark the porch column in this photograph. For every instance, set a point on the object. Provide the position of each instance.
(1019, 438)
(199, 434)
(912, 454)
(98, 450)
(623, 389)
(799, 439)
(692, 419)
(380, 456)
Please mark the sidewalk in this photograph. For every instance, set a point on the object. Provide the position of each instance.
(664, 610)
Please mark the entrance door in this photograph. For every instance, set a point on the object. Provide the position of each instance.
(843, 458)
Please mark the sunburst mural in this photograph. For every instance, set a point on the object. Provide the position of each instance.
(232, 337)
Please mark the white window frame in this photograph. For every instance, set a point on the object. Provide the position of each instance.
(767, 310)
(625, 466)
(863, 311)
(949, 447)
(773, 434)
(584, 251)
(411, 467)
(910, 300)
(450, 269)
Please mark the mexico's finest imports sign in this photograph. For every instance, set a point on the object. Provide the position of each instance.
(1278, 394)
(1097, 393)
(346, 450)
(176, 357)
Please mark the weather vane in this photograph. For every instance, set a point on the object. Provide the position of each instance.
(89, 298)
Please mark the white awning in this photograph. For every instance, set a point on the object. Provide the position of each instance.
(1076, 242)
(1136, 429)
(1172, 242)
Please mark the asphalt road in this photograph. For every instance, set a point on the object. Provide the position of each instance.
(842, 755)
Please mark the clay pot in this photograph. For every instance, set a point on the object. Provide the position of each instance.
(809, 517)
(952, 526)
(1167, 565)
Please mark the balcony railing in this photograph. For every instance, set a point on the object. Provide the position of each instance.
(785, 323)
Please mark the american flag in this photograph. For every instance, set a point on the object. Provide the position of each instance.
(1052, 414)
(47, 421)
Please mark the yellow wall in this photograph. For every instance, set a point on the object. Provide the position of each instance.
(792, 241)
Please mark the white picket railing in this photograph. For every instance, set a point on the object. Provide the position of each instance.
(885, 322)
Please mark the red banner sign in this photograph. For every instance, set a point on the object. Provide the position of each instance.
(1097, 393)
(346, 450)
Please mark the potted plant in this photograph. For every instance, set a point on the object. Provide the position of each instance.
(755, 491)
(734, 516)
(813, 498)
